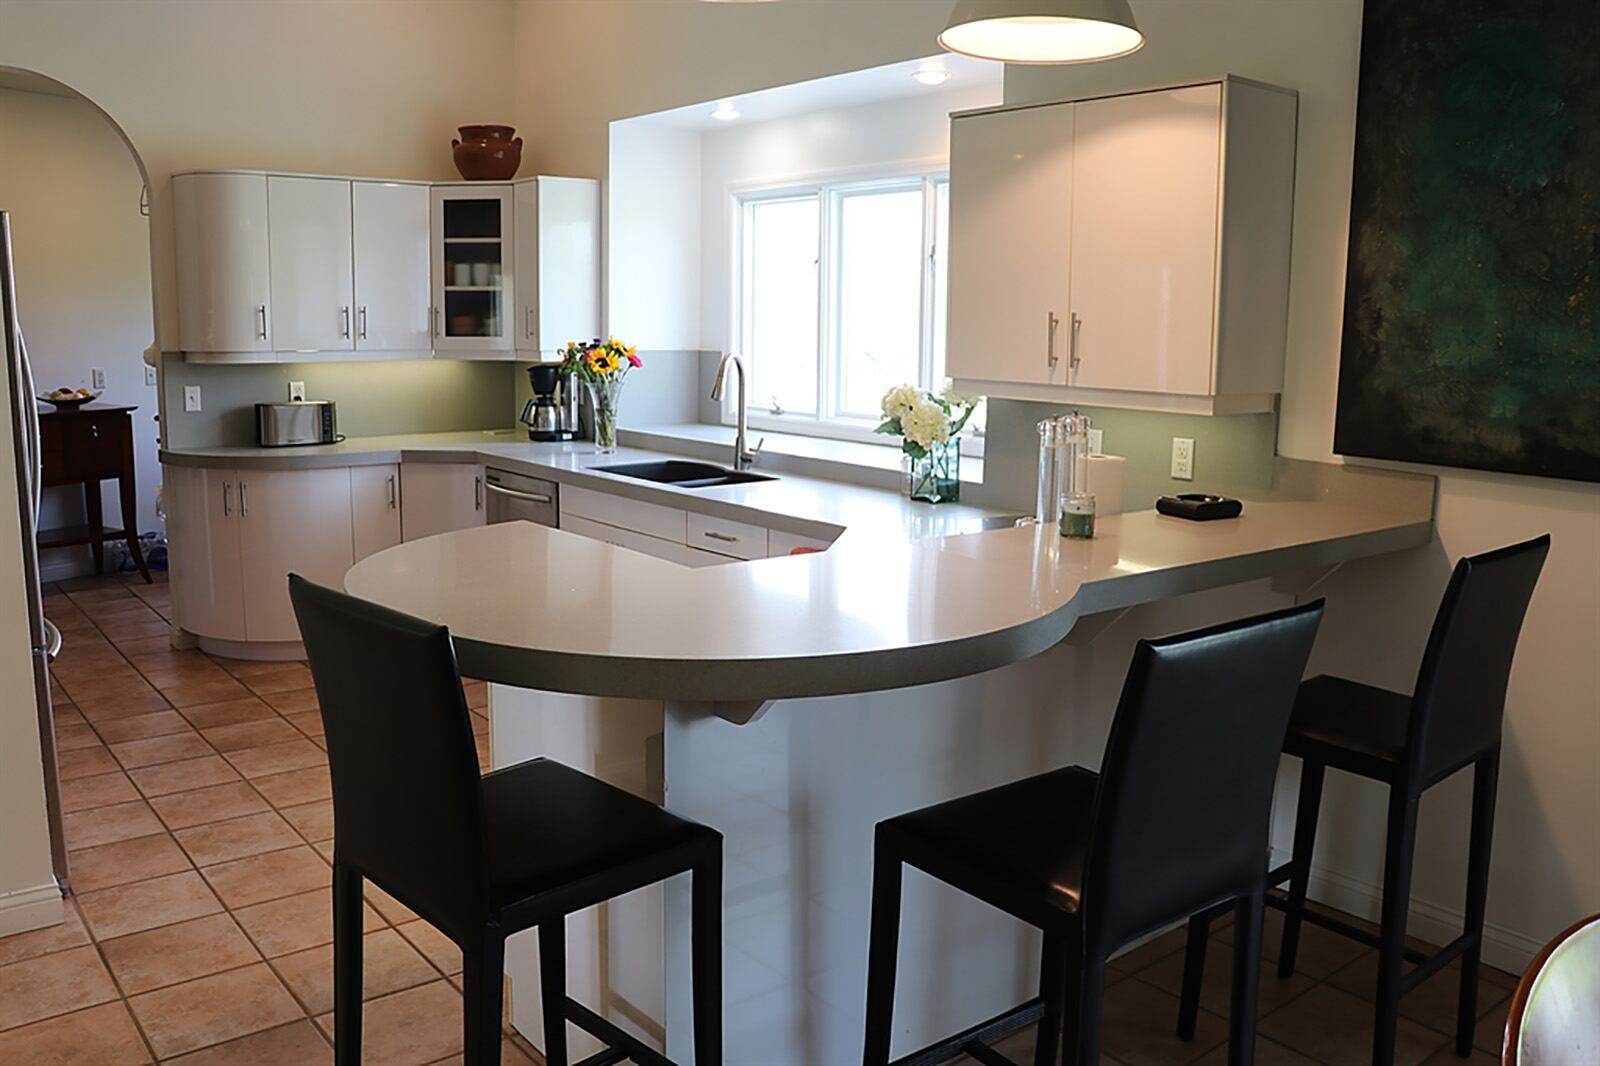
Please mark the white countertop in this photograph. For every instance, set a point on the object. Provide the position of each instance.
(895, 602)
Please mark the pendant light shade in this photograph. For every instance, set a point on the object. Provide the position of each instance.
(1042, 31)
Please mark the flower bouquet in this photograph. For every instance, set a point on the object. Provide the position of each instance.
(929, 425)
(601, 365)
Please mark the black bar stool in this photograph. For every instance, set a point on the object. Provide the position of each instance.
(1175, 822)
(1452, 721)
(480, 857)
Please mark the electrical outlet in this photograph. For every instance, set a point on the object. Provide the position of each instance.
(97, 378)
(1183, 458)
(297, 391)
(191, 397)
(1097, 441)
(150, 375)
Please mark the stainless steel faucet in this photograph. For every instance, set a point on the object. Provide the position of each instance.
(743, 457)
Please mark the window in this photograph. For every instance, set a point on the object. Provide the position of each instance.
(840, 295)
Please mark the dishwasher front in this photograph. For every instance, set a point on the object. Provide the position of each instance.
(520, 498)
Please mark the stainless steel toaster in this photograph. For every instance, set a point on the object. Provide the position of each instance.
(279, 425)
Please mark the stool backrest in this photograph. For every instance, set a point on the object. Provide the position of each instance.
(1460, 698)
(407, 808)
(1186, 784)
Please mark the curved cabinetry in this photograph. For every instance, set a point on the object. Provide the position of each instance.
(224, 277)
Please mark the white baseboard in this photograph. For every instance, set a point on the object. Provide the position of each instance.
(31, 908)
(1502, 948)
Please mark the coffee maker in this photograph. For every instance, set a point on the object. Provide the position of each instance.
(552, 414)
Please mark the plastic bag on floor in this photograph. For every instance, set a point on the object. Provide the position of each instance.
(153, 545)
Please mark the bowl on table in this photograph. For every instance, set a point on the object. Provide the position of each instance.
(67, 399)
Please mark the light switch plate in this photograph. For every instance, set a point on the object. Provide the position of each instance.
(97, 378)
(191, 397)
(1183, 458)
(149, 375)
(297, 391)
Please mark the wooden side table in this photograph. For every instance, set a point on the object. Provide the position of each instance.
(84, 446)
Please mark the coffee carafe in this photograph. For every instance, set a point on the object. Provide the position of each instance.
(552, 414)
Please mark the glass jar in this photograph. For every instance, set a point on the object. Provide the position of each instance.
(1077, 515)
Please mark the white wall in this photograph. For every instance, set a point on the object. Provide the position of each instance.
(652, 230)
(82, 252)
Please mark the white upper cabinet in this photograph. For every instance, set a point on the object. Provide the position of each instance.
(473, 297)
(224, 285)
(557, 264)
(313, 290)
(392, 291)
(1133, 255)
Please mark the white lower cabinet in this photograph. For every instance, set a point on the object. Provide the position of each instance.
(374, 508)
(202, 510)
(644, 543)
(290, 521)
(440, 497)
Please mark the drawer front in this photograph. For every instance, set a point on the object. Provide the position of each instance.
(667, 523)
(727, 537)
(671, 550)
(83, 447)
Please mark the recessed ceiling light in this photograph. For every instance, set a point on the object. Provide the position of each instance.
(725, 111)
(932, 74)
(1042, 31)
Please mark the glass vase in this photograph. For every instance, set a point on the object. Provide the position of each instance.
(936, 477)
(603, 397)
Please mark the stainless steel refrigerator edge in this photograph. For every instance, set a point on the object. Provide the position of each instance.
(44, 638)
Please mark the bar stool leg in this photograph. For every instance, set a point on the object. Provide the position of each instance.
(1194, 969)
(706, 958)
(1485, 779)
(1084, 1038)
(347, 923)
(1305, 838)
(483, 980)
(1246, 978)
(1052, 993)
(553, 988)
(1396, 903)
(882, 947)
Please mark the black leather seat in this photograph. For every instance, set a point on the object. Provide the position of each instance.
(1452, 721)
(480, 857)
(1175, 823)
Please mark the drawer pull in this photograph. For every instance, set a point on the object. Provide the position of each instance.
(532, 497)
(725, 538)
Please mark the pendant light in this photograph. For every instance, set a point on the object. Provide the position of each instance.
(1042, 31)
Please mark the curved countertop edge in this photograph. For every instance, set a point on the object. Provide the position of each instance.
(756, 680)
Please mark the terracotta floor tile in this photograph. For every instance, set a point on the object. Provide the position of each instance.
(141, 629)
(168, 658)
(295, 923)
(70, 933)
(48, 985)
(228, 712)
(1490, 1033)
(1138, 1027)
(175, 953)
(271, 876)
(85, 762)
(236, 838)
(101, 790)
(434, 945)
(244, 669)
(103, 708)
(1335, 1027)
(388, 962)
(181, 810)
(1268, 1053)
(294, 701)
(258, 734)
(510, 1055)
(287, 678)
(1216, 991)
(1432, 1003)
(1322, 951)
(102, 1036)
(308, 722)
(140, 726)
(300, 1043)
(183, 776)
(211, 1010)
(156, 750)
(75, 737)
(107, 825)
(146, 645)
(412, 1028)
(393, 910)
(314, 821)
(277, 758)
(296, 787)
(65, 712)
(127, 861)
(477, 693)
(114, 679)
(215, 690)
(133, 908)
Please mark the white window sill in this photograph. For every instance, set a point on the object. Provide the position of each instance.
(822, 457)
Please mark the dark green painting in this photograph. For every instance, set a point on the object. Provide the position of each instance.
(1474, 270)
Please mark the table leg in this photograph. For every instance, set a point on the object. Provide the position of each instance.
(130, 523)
(96, 519)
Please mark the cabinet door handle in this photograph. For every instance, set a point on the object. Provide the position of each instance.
(1072, 345)
(393, 498)
(261, 321)
(477, 493)
(227, 499)
(1051, 322)
(344, 321)
(363, 322)
(244, 502)
(725, 538)
(527, 322)
(438, 326)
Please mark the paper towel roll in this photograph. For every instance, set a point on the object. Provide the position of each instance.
(1107, 475)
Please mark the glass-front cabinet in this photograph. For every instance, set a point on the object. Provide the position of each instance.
(472, 268)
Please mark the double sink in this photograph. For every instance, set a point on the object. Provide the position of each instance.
(684, 473)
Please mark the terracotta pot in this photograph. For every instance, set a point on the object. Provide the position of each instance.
(487, 153)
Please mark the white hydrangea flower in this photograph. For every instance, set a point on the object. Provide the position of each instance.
(900, 399)
(926, 424)
(949, 395)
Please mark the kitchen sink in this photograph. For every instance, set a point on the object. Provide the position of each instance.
(685, 473)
